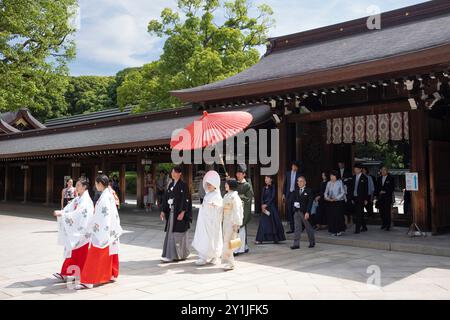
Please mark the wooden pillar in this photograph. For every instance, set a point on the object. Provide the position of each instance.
(7, 183)
(231, 169)
(49, 182)
(188, 177)
(419, 133)
(257, 186)
(282, 170)
(104, 165)
(140, 183)
(122, 182)
(26, 184)
(75, 174)
(298, 141)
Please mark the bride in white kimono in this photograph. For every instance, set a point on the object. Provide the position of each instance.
(73, 223)
(102, 262)
(208, 239)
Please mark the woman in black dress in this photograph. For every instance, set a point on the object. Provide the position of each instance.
(270, 227)
(320, 219)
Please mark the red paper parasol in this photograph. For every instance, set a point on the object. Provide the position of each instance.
(210, 129)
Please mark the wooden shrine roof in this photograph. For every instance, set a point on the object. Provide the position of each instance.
(409, 38)
(131, 131)
(103, 114)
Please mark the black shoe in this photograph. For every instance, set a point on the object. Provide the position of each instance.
(312, 245)
(356, 232)
(246, 250)
(382, 227)
(235, 254)
(295, 247)
(387, 229)
(364, 229)
(290, 231)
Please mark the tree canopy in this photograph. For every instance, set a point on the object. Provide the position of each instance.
(205, 41)
(90, 93)
(35, 47)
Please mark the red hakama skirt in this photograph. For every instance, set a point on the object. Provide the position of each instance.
(77, 260)
(99, 267)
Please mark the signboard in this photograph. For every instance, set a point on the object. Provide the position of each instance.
(412, 181)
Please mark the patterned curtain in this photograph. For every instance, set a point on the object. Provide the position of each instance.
(372, 128)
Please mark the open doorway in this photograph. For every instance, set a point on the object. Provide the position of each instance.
(396, 156)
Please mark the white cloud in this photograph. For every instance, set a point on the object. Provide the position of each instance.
(115, 32)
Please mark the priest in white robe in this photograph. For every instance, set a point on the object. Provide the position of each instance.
(73, 223)
(102, 262)
(208, 239)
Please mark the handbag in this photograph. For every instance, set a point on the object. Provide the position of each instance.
(235, 243)
(314, 207)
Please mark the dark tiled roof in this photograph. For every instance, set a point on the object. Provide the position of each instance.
(104, 114)
(367, 46)
(110, 135)
(11, 116)
(8, 117)
(6, 128)
(143, 132)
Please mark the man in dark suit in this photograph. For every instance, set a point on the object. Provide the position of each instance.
(302, 203)
(345, 174)
(385, 195)
(289, 187)
(359, 195)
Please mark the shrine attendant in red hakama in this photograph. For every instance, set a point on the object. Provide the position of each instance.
(73, 222)
(102, 262)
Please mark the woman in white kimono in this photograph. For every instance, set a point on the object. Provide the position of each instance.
(102, 262)
(73, 223)
(208, 240)
(233, 215)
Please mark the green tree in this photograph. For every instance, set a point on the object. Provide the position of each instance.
(206, 41)
(89, 93)
(35, 47)
(392, 154)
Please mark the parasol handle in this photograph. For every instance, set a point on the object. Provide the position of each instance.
(223, 164)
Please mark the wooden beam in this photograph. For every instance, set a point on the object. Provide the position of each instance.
(131, 145)
(368, 109)
(418, 132)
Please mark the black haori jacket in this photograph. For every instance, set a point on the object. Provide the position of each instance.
(182, 202)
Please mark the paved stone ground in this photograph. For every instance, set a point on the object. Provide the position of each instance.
(29, 255)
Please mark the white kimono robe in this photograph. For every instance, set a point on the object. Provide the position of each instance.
(233, 214)
(73, 223)
(208, 239)
(105, 226)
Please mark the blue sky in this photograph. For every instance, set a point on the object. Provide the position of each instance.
(112, 34)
